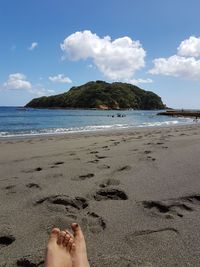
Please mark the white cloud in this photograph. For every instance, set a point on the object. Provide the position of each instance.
(60, 78)
(178, 67)
(40, 90)
(17, 81)
(139, 81)
(117, 59)
(184, 64)
(33, 46)
(190, 47)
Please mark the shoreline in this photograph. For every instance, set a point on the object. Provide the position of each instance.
(96, 131)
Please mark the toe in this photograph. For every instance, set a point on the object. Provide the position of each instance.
(69, 233)
(61, 237)
(77, 230)
(66, 240)
(54, 235)
(69, 245)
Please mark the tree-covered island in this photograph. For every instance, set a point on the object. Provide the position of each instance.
(101, 95)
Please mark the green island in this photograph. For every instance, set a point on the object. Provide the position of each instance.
(101, 95)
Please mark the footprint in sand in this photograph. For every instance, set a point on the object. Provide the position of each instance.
(93, 222)
(93, 161)
(110, 194)
(100, 157)
(70, 204)
(108, 182)
(6, 240)
(57, 163)
(103, 167)
(38, 169)
(124, 168)
(83, 177)
(33, 185)
(24, 262)
(76, 208)
(173, 207)
(10, 189)
(116, 143)
(147, 152)
(150, 158)
(94, 152)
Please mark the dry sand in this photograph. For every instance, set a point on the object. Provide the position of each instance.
(136, 194)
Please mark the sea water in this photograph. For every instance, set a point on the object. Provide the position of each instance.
(24, 122)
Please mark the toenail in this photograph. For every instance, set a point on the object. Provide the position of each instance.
(67, 236)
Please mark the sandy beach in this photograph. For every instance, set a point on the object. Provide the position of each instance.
(136, 194)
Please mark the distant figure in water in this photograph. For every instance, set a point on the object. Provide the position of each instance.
(65, 249)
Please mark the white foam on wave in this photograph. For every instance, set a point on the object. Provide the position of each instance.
(90, 128)
(56, 131)
(158, 123)
(166, 123)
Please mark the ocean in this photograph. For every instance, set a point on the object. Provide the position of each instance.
(26, 122)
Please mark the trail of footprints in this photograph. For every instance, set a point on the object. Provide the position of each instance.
(39, 169)
(78, 207)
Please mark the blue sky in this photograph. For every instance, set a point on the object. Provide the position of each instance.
(49, 46)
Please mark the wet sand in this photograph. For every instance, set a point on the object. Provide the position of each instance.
(136, 194)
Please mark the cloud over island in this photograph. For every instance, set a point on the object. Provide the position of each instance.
(60, 78)
(117, 59)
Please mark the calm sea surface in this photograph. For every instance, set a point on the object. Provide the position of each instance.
(19, 122)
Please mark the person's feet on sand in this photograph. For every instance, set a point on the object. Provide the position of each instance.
(58, 249)
(78, 251)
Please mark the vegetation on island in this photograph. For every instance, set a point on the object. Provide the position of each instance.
(101, 95)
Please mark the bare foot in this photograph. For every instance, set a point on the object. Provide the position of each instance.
(78, 251)
(58, 249)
